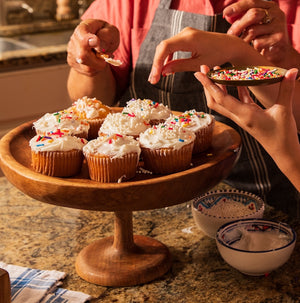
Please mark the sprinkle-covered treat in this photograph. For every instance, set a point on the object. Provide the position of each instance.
(200, 123)
(112, 158)
(91, 110)
(57, 154)
(149, 110)
(250, 75)
(167, 149)
(68, 123)
(123, 123)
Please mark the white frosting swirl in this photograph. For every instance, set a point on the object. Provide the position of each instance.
(164, 136)
(89, 108)
(63, 120)
(56, 143)
(115, 146)
(124, 124)
(191, 120)
(147, 109)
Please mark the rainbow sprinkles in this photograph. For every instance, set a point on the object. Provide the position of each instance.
(257, 74)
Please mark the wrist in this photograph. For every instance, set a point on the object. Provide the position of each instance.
(241, 54)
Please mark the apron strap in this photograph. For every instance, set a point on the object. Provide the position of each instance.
(165, 4)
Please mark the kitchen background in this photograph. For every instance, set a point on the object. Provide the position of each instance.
(33, 68)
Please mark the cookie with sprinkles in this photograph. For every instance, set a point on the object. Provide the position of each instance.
(247, 76)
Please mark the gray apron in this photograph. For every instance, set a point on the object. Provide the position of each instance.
(255, 171)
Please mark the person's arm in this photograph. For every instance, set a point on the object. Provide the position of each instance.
(89, 75)
(275, 127)
(102, 85)
(264, 25)
(213, 49)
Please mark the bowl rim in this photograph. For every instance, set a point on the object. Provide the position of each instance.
(253, 220)
(228, 191)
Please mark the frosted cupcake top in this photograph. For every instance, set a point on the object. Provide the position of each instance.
(147, 109)
(89, 108)
(123, 123)
(191, 120)
(115, 146)
(56, 142)
(166, 136)
(67, 122)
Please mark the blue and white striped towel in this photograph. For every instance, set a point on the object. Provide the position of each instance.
(40, 286)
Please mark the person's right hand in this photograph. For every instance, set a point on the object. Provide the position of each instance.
(263, 24)
(89, 36)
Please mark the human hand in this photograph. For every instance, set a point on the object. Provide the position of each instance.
(263, 24)
(200, 44)
(275, 127)
(91, 36)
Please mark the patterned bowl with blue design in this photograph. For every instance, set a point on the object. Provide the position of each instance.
(255, 246)
(215, 208)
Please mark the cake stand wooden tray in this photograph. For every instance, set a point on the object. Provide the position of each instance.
(123, 259)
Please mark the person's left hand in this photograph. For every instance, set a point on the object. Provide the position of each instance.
(263, 24)
(274, 127)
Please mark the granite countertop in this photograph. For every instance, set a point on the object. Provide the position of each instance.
(43, 236)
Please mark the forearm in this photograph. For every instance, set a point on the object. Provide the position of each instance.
(291, 60)
(101, 86)
(244, 55)
(268, 94)
(289, 164)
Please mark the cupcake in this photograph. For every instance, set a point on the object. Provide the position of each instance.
(166, 149)
(123, 123)
(57, 155)
(112, 158)
(200, 123)
(92, 110)
(149, 110)
(68, 123)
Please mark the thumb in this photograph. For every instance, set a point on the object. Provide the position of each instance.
(286, 91)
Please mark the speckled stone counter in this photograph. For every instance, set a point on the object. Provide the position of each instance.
(43, 236)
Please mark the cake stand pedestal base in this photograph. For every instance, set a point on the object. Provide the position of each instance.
(124, 259)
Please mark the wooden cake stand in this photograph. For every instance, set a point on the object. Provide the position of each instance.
(123, 259)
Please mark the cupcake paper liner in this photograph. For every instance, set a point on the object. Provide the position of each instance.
(167, 160)
(57, 163)
(203, 138)
(94, 128)
(106, 169)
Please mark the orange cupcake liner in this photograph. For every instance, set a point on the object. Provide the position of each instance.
(167, 160)
(106, 169)
(203, 138)
(95, 124)
(57, 163)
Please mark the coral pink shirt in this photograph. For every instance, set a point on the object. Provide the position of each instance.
(133, 18)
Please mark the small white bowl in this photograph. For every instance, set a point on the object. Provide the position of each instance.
(255, 246)
(215, 208)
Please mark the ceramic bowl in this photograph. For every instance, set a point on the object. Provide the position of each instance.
(215, 208)
(255, 246)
